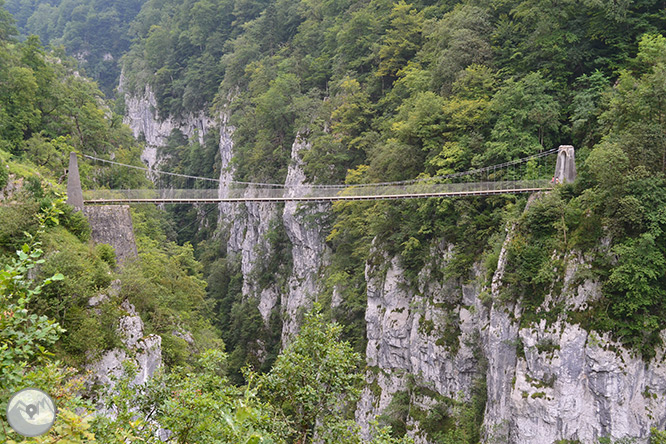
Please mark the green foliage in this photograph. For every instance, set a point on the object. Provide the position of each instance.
(97, 33)
(200, 405)
(25, 335)
(107, 254)
(657, 437)
(445, 421)
(48, 109)
(72, 423)
(75, 222)
(197, 406)
(314, 378)
(401, 40)
(456, 41)
(526, 118)
(18, 222)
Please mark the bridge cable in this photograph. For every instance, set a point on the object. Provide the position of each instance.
(342, 186)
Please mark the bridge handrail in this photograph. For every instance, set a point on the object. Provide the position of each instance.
(309, 192)
(232, 183)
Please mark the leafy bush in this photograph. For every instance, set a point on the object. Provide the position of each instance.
(24, 335)
(107, 254)
(4, 175)
(75, 222)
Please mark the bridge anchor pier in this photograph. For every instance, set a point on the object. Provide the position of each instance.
(109, 224)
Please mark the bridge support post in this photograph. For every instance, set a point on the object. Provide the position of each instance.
(74, 192)
(565, 168)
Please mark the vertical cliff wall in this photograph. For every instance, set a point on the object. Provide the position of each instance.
(307, 233)
(423, 341)
(545, 382)
(443, 345)
(142, 116)
(247, 227)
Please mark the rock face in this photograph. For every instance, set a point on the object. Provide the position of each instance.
(567, 383)
(144, 350)
(307, 234)
(13, 186)
(141, 115)
(419, 338)
(544, 383)
(571, 386)
(248, 226)
(112, 224)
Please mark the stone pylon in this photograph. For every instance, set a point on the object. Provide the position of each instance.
(565, 168)
(74, 193)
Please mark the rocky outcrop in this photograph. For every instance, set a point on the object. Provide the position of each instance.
(145, 351)
(500, 348)
(568, 383)
(423, 336)
(576, 385)
(142, 116)
(248, 226)
(307, 234)
(545, 382)
(14, 185)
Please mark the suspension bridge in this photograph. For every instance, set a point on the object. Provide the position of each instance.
(505, 178)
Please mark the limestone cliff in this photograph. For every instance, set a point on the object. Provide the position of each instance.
(247, 228)
(445, 344)
(142, 116)
(307, 234)
(145, 351)
(421, 340)
(544, 383)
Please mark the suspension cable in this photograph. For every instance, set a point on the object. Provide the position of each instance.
(340, 186)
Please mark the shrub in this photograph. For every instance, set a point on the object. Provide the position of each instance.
(107, 254)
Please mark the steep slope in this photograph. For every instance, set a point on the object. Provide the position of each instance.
(480, 319)
(452, 355)
(95, 33)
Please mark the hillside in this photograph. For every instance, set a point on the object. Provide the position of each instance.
(487, 319)
(96, 33)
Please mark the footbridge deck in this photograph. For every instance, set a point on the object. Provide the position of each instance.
(487, 181)
(306, 194)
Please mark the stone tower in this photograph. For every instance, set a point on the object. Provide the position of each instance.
(565, 168)
(74, 193)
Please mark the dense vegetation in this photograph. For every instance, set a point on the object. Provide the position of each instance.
(97, 33)
(384, 90)
(395, 90)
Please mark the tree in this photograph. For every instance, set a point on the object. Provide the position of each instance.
(636, 109)
(196, 406)
(401, 41)
(459, 39)
(314, 379)
(7, 28)
(526, 118)
(18, 114)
